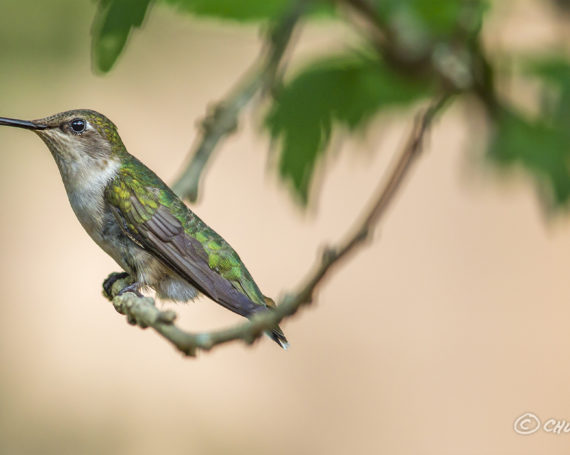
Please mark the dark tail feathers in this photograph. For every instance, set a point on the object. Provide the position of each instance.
(276, 334)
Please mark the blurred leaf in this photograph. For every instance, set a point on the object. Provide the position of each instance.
(111, 28)
(438, 15)
(418, 23)
(232, 9)
(243, 10)
(564, 5)
(345, 90)
(544, 150)
(542, 146)
(556, 69)
(555, 73)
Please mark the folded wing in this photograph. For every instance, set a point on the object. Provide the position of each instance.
(154, 228)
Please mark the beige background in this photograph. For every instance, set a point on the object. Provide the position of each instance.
(434, 339)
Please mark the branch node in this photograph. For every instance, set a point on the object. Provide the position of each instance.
(258, 324)
(287, 299)
(363, 234)
(204, 340)
(167, 316)
(189, 351)
(329, 255)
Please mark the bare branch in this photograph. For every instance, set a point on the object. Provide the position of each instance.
(143, 312)
(222, 120)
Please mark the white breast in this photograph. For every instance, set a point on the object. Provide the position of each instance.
(85, 190)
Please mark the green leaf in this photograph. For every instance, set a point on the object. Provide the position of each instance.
(342, 90)
(111, 28)
(240, 10)
(555, 74)
(418, 22)
(542, 149)
(555, 69)
(541, 145)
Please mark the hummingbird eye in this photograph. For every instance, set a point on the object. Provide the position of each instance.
(78, 125)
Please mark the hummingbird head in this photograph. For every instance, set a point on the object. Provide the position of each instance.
(80, 140)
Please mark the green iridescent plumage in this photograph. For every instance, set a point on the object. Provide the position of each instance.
(142, 198)
(136, 181)
(137, 219)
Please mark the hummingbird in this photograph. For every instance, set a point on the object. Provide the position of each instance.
(140, 222)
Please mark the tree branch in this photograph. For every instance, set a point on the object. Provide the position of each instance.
(222, 119)
(143, 312)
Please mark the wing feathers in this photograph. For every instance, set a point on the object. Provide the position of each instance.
(198, 272)
(153, 227)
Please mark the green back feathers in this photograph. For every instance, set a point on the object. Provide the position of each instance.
(138, 192)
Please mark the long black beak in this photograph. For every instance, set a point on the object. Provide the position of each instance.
(21, 124)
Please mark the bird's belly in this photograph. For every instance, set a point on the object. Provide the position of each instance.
(98, 221)
(140, 264)
(144, 267)
(153, 273)
(115, 243)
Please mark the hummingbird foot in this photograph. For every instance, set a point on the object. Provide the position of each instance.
(133, 287)
(111, 280)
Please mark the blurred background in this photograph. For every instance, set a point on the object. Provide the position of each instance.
(434, 339)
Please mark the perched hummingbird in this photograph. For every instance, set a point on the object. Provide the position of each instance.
(139, 221)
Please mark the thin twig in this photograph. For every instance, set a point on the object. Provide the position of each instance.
(222, 120)
(143, 312)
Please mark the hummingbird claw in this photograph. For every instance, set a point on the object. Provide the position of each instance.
(111, 280)
(133, 287)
